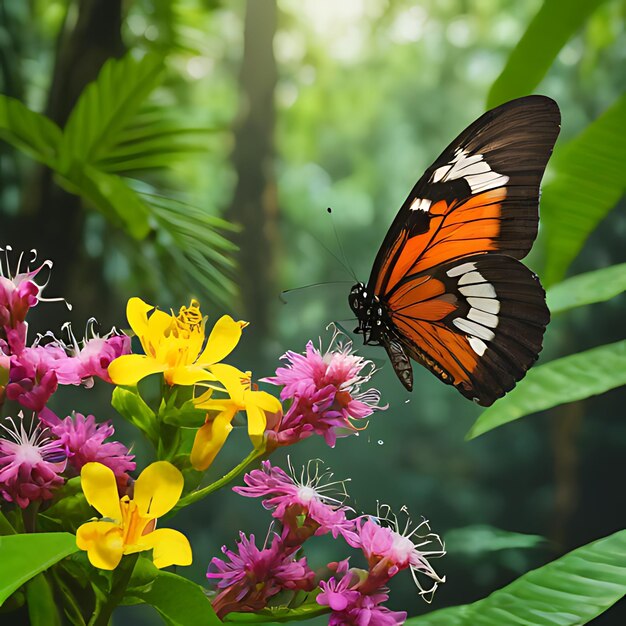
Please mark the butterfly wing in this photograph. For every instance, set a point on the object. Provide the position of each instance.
(477, 323)
(475, 207)
(480, 195)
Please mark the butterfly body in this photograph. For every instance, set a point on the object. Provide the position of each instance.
(447, 288)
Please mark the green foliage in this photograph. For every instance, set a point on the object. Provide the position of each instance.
(589, 179)
(570, 591)
(130, 405)
(28, 131)
(570, 378)
(549, 31)
(179, 601)
(42, 608)
(25, 556)
(587, 288)
(478, 539)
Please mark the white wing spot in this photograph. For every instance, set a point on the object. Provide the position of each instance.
(474, 329)
(473, 168)
(483, 290)
(471, 277)
(461, 269)
(489, 305)
(486, 319)
(420, 204)
(477, 345)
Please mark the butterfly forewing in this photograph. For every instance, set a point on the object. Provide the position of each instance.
(447, 278)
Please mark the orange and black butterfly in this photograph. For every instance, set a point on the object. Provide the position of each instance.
(447, 288)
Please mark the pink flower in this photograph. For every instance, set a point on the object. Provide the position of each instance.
(93, 355)
(350, 606)
(83, 438)
(389, 551)
(325, 393)
(18, 293)
(30, 464)
(32, 376)
(305, 508)
(251, 576)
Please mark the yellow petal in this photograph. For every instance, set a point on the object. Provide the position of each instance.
(230, 377)
(170, 547)
(129, 369)
(187, 375)
(137, 313)
(158, 489)
(264, 400)
(209, 440)
(103, 542)
(222, 341)
(256, 424)
(100, 489)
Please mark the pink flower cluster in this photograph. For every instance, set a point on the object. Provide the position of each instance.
(34, 372)
(35, 461)
(324, 390)
(305, 508)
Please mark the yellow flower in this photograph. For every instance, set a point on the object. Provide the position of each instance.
(211, 437)
(173, 345)
(129, 525)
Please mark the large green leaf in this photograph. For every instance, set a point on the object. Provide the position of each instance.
(31, 132)
(111, 195)
(587, 288)
(590, 178)
(181, 602)
(570, 591)
(25, 556)
(563, 380)
(42, 609)
(535, 52)
(106, 106)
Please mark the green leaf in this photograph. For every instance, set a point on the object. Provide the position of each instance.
(588, 288)
(6, 527)
(110, 194)
(131, 406)
(550, 29)
(106, 106)
(25, 556)
(570, 591)
(69, 509)
(278, 615)
(31, 132)
(478, 539)
(570, 378)
(185, 416)
(42, 609)
(179, 601)
(589, 179)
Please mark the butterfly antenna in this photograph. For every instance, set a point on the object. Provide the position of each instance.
(341, 250)
(330, 282)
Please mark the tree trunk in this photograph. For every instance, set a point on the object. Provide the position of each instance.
(255, 205)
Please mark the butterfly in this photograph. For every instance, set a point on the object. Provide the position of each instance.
(447, 288)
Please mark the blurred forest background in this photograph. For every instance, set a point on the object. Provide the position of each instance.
(206, 169)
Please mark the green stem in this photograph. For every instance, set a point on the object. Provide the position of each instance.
(194, 496)
(277, 616)
(121, 578)
(29, 515)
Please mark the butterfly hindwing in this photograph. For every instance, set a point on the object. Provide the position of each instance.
(476, 322)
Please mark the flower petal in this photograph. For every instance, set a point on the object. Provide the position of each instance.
(100, 489)
(129, 369)
(209, 440)
(103, 542)
(265, 401)
(158, 489)
(256, 424)
(170, 547)
(137, 314)
(187, 375)
(222, 341)
(230, 377)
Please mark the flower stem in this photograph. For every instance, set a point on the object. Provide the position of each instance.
(121, 578)
(29, 515)
(194, 496)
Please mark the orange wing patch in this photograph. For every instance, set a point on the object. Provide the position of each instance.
(456, 230)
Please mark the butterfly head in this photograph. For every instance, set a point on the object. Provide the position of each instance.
(368, 311)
